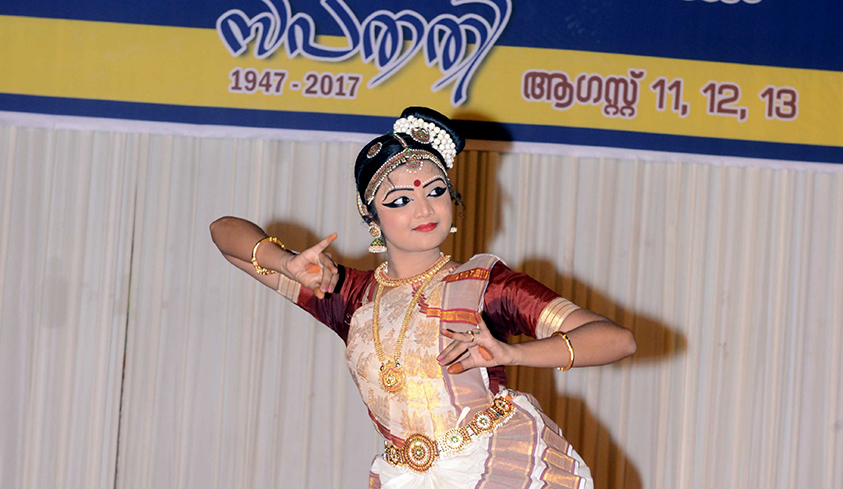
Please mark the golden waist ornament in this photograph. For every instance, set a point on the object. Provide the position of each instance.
(420, 452)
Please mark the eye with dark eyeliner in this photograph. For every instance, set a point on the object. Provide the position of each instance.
(398, 202)
(437, 192)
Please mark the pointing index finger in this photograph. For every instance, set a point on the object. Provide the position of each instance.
(320, 246)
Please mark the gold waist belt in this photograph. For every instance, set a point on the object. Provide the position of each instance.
(419, 451)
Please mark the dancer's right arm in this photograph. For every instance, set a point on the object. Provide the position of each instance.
(313, 268)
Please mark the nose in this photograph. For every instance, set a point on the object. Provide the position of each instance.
(423, 209)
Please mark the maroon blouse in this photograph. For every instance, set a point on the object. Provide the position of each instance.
(512, 305)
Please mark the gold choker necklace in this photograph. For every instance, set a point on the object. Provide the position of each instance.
(380, 273)
(391, 371)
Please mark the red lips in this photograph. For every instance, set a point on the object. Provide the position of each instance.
(425, 227)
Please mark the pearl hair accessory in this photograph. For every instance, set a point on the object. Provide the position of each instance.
(428, 133)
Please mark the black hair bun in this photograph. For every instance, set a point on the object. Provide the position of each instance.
(430, 115)
(379, 150)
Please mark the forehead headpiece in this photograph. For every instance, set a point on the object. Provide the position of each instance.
(420, 140)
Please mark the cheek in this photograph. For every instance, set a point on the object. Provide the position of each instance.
(443, 206)
(390, 220)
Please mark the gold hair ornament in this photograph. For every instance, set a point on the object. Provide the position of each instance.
(374, 150)
(414, 158)
(428, 133)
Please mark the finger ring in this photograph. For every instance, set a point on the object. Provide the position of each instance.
(471, 332)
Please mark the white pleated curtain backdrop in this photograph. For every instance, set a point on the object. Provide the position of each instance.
(65, 254)
(132, 355)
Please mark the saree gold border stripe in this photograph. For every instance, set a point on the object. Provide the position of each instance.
(454, 315)
(473, 274)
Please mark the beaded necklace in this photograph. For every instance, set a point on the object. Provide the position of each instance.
(391, 371)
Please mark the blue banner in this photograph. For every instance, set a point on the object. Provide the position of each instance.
(755, 78)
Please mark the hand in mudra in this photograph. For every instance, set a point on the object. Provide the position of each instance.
(474, 348)
(315, 269)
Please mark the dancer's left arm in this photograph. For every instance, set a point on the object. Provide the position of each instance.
(515, 303)
(596, 340)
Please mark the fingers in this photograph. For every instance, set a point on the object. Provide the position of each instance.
(456, 368)
(329, 270)
(451, 352)
(327, 276)
(328, 263)
(481, 325)
(469, 361)
(486, 354)
(462, 366)
(321, 273)
(470, 336)
(334, 279)
(321, 257)
(320, 246)
(463, 349)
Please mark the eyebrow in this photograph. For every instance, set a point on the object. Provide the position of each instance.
(396, 189)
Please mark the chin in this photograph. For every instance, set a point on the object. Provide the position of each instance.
(433, 242)
(424, 242)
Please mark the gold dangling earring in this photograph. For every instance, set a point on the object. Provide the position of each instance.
(453, 229)
(378, 244)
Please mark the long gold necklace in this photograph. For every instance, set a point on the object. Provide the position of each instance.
(391, 371)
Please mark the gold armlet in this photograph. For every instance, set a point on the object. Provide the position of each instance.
(570, 350)
(261, 270)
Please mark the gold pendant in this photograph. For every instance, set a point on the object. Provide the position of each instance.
(391, 376)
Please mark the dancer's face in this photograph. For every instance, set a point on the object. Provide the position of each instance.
(414, 208)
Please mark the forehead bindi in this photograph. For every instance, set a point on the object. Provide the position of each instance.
(402, 177)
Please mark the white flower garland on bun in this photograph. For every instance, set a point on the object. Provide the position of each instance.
(428, 133)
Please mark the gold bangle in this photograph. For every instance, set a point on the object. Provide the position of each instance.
(570, 350)
(261, 270)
